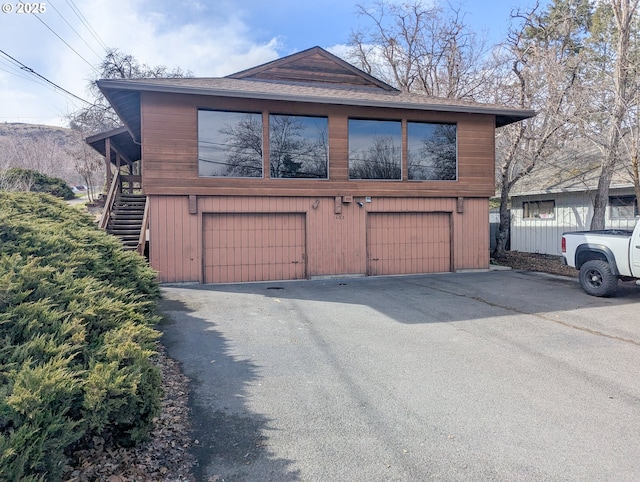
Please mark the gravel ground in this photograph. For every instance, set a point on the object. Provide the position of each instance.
(536, 262)
(167, 456)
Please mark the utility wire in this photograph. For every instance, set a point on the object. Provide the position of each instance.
(63, 41)
(33, 72)
(86, 23)
(74, 30)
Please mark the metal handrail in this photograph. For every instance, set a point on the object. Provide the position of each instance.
(108, 203)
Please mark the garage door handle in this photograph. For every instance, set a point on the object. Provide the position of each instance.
(375, 259)
(295, 262)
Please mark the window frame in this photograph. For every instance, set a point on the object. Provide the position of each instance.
(617, 202)
(408, 151)
(270, 145)
(399, 122)
(526, 209)
(202, 111)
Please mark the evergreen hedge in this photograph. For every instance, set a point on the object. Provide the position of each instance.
(76, 337)
(38, 182)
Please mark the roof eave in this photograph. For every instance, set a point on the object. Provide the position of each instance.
(503, 116)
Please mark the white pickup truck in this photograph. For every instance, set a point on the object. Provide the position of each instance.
(603, 257)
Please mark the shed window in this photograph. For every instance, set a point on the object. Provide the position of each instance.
(432, 151)
(375, 149)
(538, 209)
(229, 144)
(623, 207)
(298, 147)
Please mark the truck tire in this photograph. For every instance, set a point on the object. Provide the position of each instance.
(597, 279)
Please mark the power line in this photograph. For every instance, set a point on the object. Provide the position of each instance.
(62, 40)
(31, 71)
(74, 30)
(86, 23)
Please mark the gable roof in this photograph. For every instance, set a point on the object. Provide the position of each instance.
(575, 168)
(312, 76)
(313, 66)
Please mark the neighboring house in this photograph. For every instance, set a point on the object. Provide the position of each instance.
(307, 167)
(558, 197)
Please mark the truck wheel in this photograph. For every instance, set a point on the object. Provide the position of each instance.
(597, 279)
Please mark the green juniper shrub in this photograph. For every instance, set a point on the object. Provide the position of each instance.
(76, 337)
(38, 182)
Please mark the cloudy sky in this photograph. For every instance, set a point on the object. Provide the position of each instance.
(65, 40)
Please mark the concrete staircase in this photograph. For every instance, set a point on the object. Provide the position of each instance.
(126, 218)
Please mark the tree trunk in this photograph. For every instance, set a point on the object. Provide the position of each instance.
(636, 178)
(505, 223)
(623, 11)
(601, 199)
(502, 236)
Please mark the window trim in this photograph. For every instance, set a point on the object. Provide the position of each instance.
(457, 175)
(627, 197)
(538, 218)
(401, 123)
(268, 160)
(231, 111)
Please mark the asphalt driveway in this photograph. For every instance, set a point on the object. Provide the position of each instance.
(501, 375)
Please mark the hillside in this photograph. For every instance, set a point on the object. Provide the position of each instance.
(51, 150)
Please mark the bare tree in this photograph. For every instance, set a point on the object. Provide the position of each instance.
(380, 161)
(88, 164)
(293, 152)
(624, 12)
(100, 116)
(544, 52)
(419, 48)
(244, 144)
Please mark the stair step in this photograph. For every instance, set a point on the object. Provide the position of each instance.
(126, 219)
(130, 234)
(128, 208)
(126, 215)
(128, 238)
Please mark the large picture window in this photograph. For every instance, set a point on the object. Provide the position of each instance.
(229, 144)
(298, 147)
(432, 151)
(375, 149)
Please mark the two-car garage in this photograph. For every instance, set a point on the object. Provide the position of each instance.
(242, 247)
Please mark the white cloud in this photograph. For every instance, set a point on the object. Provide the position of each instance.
(194, 40)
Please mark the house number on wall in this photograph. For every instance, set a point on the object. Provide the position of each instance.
(340, 216)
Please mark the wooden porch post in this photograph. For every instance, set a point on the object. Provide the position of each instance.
(107, 158)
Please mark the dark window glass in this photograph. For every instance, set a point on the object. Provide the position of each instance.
(538, 209)
(432, 151)
(298, 147)
(623, 207)
(375, 149)
(229, 144)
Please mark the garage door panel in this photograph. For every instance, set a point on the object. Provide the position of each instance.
(253, 247)
(408, 243)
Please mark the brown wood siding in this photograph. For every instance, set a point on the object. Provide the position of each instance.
(408, 243)
(174, 239)
(313, 68)
(336, 242)
(244, 247)
(170, 151)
